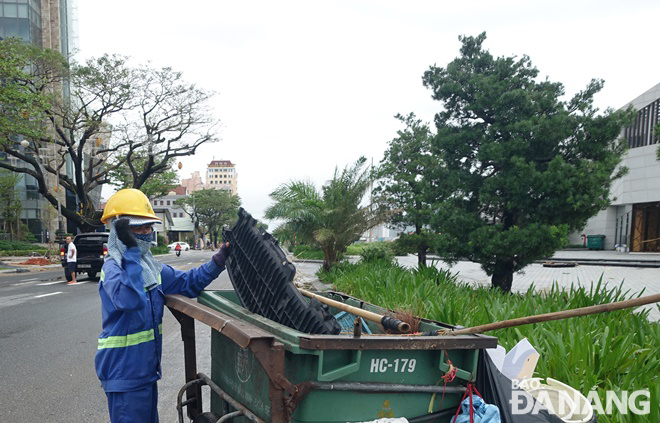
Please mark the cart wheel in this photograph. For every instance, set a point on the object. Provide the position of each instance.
(206, 418)
(91, 275)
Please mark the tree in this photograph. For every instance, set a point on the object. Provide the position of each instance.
(26, 75)
(115, 118)
(10, 205)
(405, 173)
(158, 185)
(332, 218)
(210, 210)
(524, 166)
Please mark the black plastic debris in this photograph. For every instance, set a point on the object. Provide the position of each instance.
(498, 390)
(263, 280)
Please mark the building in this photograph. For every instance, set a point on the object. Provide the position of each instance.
(633, 218)
(194, 183)
(221, 174)
(49, 24)
(180, 227)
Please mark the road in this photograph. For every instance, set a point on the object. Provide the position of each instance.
(48, 333)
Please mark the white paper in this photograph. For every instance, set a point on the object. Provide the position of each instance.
(520, 362)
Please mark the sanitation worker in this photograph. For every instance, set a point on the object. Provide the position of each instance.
(132, 288)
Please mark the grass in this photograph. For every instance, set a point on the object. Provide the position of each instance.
(610, 351)
(306, 252)
(358, 249)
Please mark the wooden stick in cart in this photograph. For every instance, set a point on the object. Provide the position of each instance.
(387, 321)
(558, 315)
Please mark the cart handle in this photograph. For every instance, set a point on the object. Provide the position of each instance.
(329, 376)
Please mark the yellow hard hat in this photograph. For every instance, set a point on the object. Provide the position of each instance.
(130, 202)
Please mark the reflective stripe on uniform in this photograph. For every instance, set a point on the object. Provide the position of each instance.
(153, 286)
(128, 340)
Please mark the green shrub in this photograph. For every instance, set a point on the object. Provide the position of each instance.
(17, 245)
(160, 240)
(401, 247)
(161, 249)
(377, 252)
(610, 351)
(25, 253)
(307, 252)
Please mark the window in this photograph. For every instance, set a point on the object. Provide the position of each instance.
(641, 133)
(161, 202)
(168, 202)
(155, 203)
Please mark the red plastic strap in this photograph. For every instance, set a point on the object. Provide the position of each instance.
(471, 389)
(461, 402)
(451, 373)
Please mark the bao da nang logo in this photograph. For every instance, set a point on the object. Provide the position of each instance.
(568, 403)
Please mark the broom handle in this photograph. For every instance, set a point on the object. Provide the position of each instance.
(558, 315)
(387, 321)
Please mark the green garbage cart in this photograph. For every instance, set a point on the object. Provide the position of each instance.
(595, 242)
(264, 371)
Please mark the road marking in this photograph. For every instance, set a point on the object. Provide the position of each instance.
(49, 283)
(47, 295)
(190, 262)
(22, 283)
(32, 279)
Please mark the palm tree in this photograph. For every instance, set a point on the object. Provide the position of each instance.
(332, 218)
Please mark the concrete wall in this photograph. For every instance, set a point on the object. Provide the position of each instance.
(604, 223)
(642, 183)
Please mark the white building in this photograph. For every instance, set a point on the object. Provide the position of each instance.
(633, 218)
(221, 174)
(181, 226)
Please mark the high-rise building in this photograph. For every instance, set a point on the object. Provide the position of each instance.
(50, 24)
(221, 174)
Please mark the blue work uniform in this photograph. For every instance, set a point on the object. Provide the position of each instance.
(130, 345)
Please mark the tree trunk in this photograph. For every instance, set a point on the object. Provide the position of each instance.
(421, 255)
(503, 275)
(329, 258)
(422, 248)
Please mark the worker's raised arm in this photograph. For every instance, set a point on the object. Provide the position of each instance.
(192, 282)
(123, 282)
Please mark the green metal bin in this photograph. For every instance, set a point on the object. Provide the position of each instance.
(595, 242)
(340, 378)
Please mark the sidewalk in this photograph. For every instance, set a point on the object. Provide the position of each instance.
(606, 255)
(11, 265)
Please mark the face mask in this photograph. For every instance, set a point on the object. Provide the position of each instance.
(144, 237)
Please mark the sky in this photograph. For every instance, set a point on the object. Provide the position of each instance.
(304, 87)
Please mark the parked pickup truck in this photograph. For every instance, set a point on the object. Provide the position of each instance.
(92, 248)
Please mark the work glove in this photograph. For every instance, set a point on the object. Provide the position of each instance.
(220, 257)
(124, 233)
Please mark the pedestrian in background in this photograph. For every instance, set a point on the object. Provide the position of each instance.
(71, 260)
(132, 287)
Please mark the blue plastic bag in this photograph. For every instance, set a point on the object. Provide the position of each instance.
(483, 413)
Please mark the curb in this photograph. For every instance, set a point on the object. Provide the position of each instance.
(29, 269)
